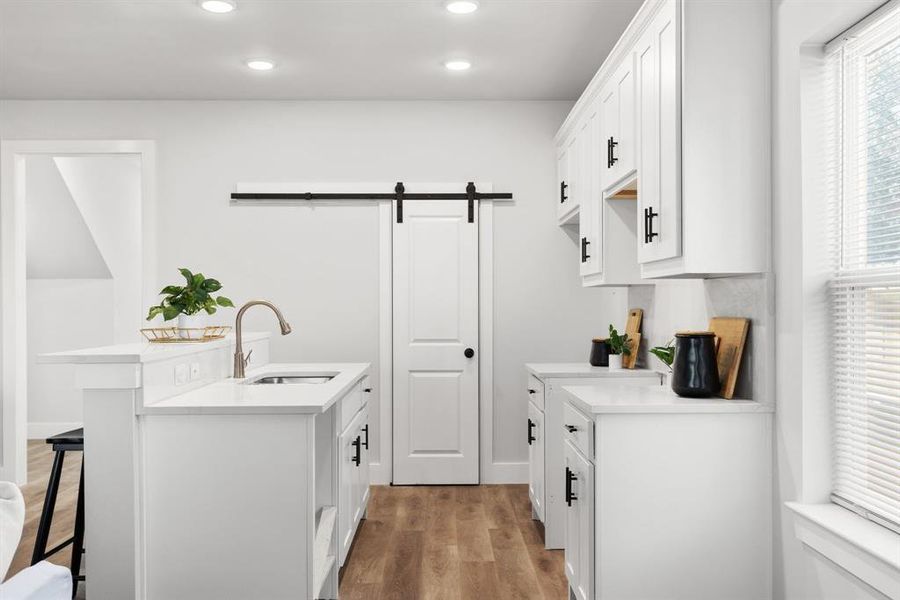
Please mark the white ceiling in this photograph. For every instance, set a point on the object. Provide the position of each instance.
(324, 49)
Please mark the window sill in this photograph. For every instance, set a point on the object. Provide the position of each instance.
(864, 549)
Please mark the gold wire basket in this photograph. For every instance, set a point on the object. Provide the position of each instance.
(181, 335)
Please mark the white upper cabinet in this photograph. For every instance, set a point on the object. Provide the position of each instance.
(618, 125)
(569, 166)
(659, 145)
(684, 109)
(590, 223)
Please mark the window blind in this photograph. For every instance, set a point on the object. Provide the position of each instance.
(863, 187)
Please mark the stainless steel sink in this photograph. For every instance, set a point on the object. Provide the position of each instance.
(291, 379)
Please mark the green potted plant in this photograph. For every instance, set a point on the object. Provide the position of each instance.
(189, 303)
(619, 345)
(666, 354)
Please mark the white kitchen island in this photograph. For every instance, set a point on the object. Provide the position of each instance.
(200, 486)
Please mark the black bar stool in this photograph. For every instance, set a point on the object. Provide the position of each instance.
(64, 442)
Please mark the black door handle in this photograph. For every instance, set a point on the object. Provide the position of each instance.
(611, 159)
(584, 255)
(570, 477)
(650, 216)
(570, 428)
(531, 438)
(358, 458)
(530, 391)
(366, 443)
(562, 192)
(469, 353)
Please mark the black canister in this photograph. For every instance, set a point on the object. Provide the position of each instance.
(599, 353)
(695, 373)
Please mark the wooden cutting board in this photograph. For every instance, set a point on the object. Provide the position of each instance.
(633, 329)
(732, 336)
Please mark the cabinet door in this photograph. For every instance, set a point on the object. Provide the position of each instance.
(362, 469)
(536, 459)
(625, 135)
(346, 500)
(590, 244)
(659, 135)
(609, 128)
(579, 554)
(570, 200)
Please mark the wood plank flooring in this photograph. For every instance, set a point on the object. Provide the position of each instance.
(451, 542)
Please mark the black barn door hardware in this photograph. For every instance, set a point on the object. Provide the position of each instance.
(471, 194)
(531, 438)
(570, 477)
(562, 192)
(398, 196)
(584, 255)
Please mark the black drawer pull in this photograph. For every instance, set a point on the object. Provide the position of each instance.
(531, 391)
(570, 477)
(357, 443)
(531, 426)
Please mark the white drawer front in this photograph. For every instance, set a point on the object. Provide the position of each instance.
(536, 391)
(578, 429)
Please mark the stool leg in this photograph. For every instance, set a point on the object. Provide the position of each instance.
(43, 532)
(78, 540)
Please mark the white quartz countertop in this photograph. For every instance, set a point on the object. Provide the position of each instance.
(597, 399)
(141, 352)
(240, 396)
(571, 370)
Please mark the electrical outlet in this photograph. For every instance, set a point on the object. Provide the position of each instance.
(181, 374)
(195, 371)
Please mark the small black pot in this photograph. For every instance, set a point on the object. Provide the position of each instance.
(695, 373)
(599, 353)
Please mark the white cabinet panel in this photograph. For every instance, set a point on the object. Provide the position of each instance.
(659, 138)
(591, 209)
(617, 99)
(536, 459)
(570, 178)
(579, 554)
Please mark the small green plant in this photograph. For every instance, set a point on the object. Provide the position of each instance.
(189, 299)
(666, 353)
(619, 344)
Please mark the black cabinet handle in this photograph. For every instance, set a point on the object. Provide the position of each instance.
(649, 234)
(570, 477)
(611, 159)
(570, 428)
(562, 192)
(531, 391)
(368, 390)
(358, 458)
(584, 255)
(531, 438)
(366, 443)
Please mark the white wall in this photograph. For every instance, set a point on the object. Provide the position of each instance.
(802, 453)
(319, 264)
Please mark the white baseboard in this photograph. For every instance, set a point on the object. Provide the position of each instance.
(379, 474)
(508, 472)
(505, 472)
(41, 430)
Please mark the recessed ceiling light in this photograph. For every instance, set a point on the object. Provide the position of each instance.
(457, 65)
(260, 65)
(218, 6)
(461, 7)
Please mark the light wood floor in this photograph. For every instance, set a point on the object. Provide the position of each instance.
(465, 542)
(420, 543)
(40, 458)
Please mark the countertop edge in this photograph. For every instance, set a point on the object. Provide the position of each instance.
(681, 406)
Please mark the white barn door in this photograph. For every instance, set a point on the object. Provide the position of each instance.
(435, 300)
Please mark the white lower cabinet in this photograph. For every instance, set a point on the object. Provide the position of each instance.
(666, 499)
(579, 490)
(546, 399)
(536, 459)
(353, 477)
